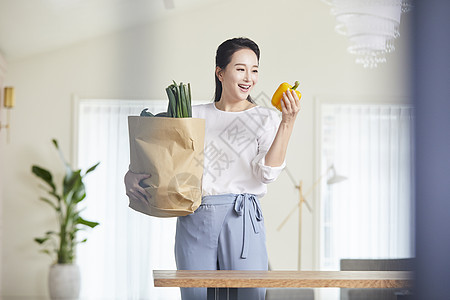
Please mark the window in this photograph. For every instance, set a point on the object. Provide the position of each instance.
(370, 215)
(120, 254)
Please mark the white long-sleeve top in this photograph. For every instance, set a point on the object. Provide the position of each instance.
(236, 144)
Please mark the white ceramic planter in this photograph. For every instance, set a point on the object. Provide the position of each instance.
(64, 282)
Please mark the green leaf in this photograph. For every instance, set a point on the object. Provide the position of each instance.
(76, 194)
(45, 175)
(179, 109)
(146, 113)
(177, 95)
(49, 202)
(41, 240)
(189, 101)
(92, 168)
(54, 194)
(87, 223)
(61, 155)
(183, 100)
(71, 181)
(79, 196)
(172, 102)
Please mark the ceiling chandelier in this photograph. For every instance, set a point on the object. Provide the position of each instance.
(371, 26)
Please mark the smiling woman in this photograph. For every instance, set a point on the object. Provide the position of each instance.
(138, 63)
(237, 80)
(245, 149)
(245, 55)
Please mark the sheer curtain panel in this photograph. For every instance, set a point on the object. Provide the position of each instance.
(370, 215)
(120, 254)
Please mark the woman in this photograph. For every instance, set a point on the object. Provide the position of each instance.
(245, 148)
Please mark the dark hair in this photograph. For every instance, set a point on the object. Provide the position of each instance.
(223, 58)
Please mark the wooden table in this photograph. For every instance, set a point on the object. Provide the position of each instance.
(223, 284)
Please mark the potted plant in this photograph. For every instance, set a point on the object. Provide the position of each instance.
(64, 275)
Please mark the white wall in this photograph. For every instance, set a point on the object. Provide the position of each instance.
(3, 69)
(297, 41)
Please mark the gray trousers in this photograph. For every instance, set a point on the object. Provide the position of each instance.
(225, 233)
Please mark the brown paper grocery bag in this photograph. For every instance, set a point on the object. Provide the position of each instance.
(171, 150)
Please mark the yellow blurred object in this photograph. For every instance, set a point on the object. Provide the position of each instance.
(278, 95)
(10, 98)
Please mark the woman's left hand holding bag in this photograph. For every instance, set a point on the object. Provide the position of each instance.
(132, 187)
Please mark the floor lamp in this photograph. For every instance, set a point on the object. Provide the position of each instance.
(334, 178)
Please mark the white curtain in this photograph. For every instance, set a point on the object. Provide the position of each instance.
(370, 215)
(120, 254)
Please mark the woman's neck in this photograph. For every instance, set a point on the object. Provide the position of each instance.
(233, 106)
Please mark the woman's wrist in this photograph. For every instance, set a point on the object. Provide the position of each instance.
(277, 152)
(287, 125)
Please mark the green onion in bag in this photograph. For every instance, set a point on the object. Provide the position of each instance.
(179, 100)
(180, 105)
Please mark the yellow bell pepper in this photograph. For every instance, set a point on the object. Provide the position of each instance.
(278, 95)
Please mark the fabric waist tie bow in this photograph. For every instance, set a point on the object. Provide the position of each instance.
(247, 206)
